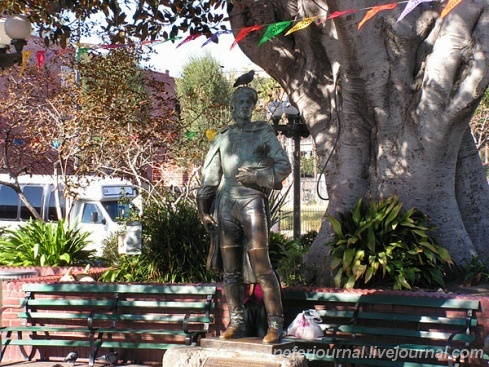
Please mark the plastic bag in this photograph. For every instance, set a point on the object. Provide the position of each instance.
(305, 325)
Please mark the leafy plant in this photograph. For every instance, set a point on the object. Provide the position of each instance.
(287, 255)
(174, 249)
(375, 243)
(38, 243)
(475, 271)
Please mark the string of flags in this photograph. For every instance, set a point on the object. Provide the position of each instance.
(271, 30)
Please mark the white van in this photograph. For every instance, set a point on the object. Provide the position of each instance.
(96, 204)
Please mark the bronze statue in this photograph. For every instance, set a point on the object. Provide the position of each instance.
(244, 163)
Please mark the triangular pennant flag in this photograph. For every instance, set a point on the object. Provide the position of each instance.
(337, 14)
(410, 7)
(215, 35)
(301, 25)
(25, 57)
(40, 56)
(374, 11)
(449, 7)
(244, 32)
(274, 30)
(189, 38)
(210, 134)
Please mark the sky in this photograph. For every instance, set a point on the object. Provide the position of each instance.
(169, 57)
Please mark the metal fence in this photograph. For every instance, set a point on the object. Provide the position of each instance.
(311, 218)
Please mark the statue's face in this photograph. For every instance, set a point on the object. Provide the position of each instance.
(243, 106)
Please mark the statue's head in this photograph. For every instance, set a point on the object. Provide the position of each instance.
(246, 91)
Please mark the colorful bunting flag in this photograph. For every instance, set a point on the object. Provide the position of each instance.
(374, 11)
(306, 22)
(40, 56)
(190, 38)
(243, 33)
(449, 7)
(215, 35)
(274, 30)
(271, 31)
(26, 55)
(210, 134)
(410, 7)
(337, 14)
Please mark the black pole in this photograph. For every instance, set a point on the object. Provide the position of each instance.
(294, 129)
(296, 171)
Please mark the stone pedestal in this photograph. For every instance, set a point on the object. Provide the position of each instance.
(245, 352)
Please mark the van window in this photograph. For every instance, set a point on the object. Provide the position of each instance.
(52, 214)
(87, 212)
(117, 210)
(35, 196)
(9, 203)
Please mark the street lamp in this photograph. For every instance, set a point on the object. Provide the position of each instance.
(14, 30)
(295, 129)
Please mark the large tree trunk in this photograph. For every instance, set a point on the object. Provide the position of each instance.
(391, 103)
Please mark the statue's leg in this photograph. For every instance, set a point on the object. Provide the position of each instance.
(232, 261)
(272, 299)
(256, 230)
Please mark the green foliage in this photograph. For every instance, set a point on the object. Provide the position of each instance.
(204, 95)
(175, 247)
(287, 256)
(276, 200)
(377, 244)
(475, 271)
(307, 166)
(37, 243)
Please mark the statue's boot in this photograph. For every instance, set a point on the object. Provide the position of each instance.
(275, 330)
(234, 291)
(272, 294)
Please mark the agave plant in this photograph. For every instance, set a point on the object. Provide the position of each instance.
(376, 243)
(37, 243)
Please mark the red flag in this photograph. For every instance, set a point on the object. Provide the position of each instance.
(243, 33)
(40, 56)
(374, 11)
(337, 14)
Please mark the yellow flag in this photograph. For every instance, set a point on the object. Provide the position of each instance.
(210, 134)
(25, 57)
(301, 25)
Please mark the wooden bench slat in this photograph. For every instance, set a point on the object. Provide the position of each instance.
(119, 288)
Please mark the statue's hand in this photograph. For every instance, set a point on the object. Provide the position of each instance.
(209, 223)
(246, 176)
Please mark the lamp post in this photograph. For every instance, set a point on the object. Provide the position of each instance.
(295, 129)
(14, 30)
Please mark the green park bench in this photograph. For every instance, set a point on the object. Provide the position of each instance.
(107, 315)
(387, 329)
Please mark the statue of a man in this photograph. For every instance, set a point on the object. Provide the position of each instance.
(244, 163)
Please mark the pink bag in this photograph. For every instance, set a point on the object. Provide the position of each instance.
(305, 325)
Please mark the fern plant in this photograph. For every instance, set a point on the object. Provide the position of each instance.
(376, 243)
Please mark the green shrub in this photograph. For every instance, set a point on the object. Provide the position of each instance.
(175, 247)
(37, 243)
(287, 256)
(475, 271)
(377, 244)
